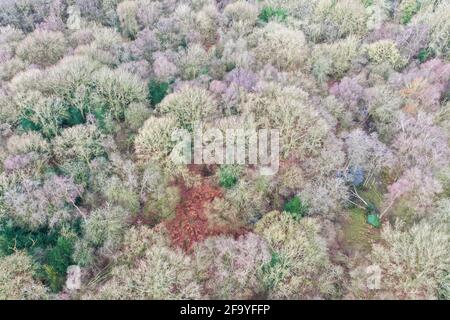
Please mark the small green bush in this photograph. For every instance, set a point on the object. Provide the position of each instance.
(74, 117)
(157, 91)
(13, 237)
(424, 54)
(373, 217)
(295, 208)
(269, 13)
(28, 125)
(58, 259)
(60, 256)
(374, 220)
(228, 176)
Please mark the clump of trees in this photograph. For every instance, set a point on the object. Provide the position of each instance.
(413, 263)
(232, 269)
(149, 269)
(300, 265)
(17, 273)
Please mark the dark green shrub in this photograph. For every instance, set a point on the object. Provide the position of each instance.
(157, 91)
(373, 217)
(13, 237)
(269, 13)
(295, 208)
(28, 125)
(229, 66)
(228, 176)
(58, 258)
(74, 117)
(374, 220)
(425, 54)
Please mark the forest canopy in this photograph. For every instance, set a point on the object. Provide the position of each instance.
(92, 205)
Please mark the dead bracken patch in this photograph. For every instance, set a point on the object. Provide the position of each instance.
(190, 223)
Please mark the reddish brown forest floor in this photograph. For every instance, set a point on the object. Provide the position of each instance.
(190, 224)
